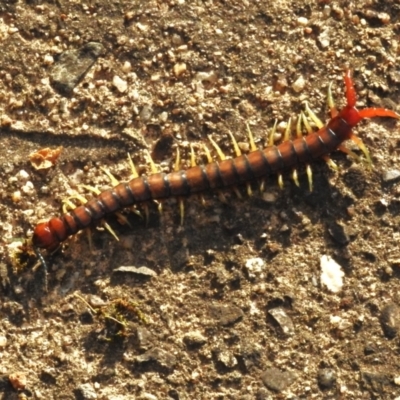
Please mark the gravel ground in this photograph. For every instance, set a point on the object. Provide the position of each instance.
(232, 304)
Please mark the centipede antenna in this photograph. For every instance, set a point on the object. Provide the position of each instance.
(235, 145)
(358, 141)
(295, 178)
(177, 165)
(208, 154)
(44, 265)
(220, 153)
(331, 102)
(114, 181)
(133, 168)
(253, 147)
(313, 116)
(286, 135)
(271, 136)
(309, 177)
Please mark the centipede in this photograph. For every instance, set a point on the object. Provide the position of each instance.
(217, 175)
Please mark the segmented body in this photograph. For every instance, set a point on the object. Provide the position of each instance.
(213, 176)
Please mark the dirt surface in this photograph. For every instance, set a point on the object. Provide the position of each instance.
(230, 305)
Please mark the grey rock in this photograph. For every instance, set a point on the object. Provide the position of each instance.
(194, 338)
(326, 378)
(277, 380)
(390, 320)
(72, 66)
(226, 315)
(86, 392)
(283, 320)
(158, 356)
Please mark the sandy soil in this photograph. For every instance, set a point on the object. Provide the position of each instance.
(230, 305)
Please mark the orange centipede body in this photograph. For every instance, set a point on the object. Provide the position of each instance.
(213, 176)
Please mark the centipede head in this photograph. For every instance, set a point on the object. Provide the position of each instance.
(44, 237)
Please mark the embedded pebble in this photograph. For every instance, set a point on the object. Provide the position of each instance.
(391, 176)
(161, 357)
(226, 315)
(331, 274)
(194, 338)
(120, 84)
(299, 84)
(278, 380)
(73, 65)
(227, 359)
(326, 378)
(86, 392)
(18, 380)
(283, 320)
(302, 21)
(143, 271)
(339, 234)
(390, 320)
(3, 341)
(255, 267)
(179, 69)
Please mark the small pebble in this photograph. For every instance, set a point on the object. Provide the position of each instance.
(326, 378)
(299, 84)
(194, 338)
(277, 380)
(3, 341)
(390, 320)
(283, 320)
(120, 84)
(18, 380)
(331, 274)
(391, 175)
(302, 21)
(179, 69)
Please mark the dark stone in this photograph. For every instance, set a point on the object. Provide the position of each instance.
(339, 234)
(284, 322)
(277, 380)
(376, 382)
(72, 66)
(326, 378)
(158, 356)
(390, 320)
(226, 315)
(144, 337)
